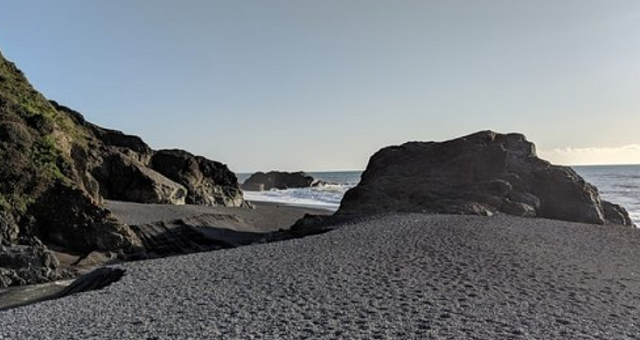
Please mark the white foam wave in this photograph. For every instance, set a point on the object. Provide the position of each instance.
(326, 196)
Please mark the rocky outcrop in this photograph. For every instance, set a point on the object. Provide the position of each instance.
(484, 173)
(68, 218)
(22, 264)
(277, 180)
(616, 214)
(126, 179)
(58, 169)
(207, 182)
(125, 168)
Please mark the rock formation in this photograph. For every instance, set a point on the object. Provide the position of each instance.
(277, 180)
(57, 170)
(22, 264)
(125, 168)
(484, 173)
(207, 182)
(126, 179)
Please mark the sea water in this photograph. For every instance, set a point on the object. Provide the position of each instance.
(327, 196)
(616, 183)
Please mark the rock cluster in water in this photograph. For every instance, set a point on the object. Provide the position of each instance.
(277, 180)
(484, 173)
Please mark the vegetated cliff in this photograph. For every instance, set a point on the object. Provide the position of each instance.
(484, 173)
(56, 170)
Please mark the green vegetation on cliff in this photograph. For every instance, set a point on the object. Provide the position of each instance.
(56, 170)
(35, 141)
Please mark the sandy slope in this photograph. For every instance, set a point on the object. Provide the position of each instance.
(181, 227)
(264, 218)
(393, 277)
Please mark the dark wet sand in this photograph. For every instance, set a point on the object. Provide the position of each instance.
(393, 277)
(265, 217)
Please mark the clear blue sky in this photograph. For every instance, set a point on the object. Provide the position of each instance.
(319, 85)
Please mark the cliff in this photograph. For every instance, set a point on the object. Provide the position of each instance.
(58, 169)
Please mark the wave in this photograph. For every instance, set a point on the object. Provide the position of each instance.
(327, 196)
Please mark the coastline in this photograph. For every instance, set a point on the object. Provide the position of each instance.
(296, 198)
(313, 208)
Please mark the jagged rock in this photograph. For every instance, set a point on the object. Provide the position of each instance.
(616, 214)
(22, 264)
(207, 182)
(321, 183)
(67, 217)
(122, 178)
(277, 180)
(481, 174)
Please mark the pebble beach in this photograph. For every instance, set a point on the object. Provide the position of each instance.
(397, 276)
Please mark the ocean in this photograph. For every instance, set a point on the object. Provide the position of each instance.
(325, 196)
(616, 183)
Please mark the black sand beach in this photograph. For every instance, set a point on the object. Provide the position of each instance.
(265, 217)
(408, 276)
(231, 225)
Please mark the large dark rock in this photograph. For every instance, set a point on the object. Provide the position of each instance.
(22, 264)
(125, 168)
(207, 182)
(481, 174)
(125, 179)
(277, 180)
(68, 218)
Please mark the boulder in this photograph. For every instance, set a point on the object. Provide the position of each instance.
(68, 218)
(484, 173)
(23, 264)
(277, 180)
(207, 182)
(616, 214)
(125, 179)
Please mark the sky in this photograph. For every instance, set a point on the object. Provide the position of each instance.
(322, 85)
